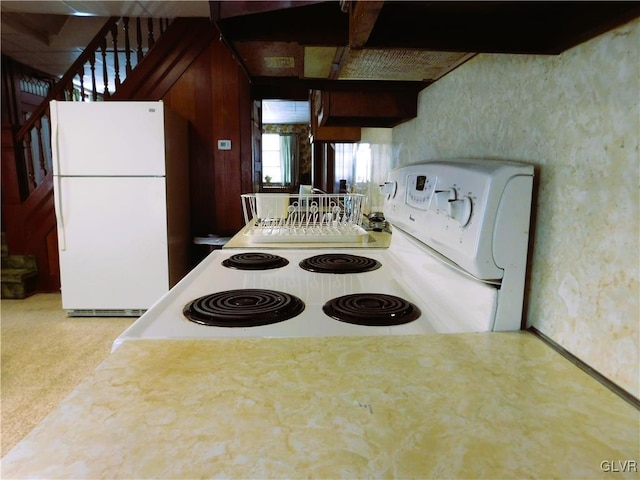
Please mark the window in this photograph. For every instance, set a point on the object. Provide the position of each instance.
(279, 158)
(352, 163)
(271, 169)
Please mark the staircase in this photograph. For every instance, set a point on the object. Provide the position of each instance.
(19, 273)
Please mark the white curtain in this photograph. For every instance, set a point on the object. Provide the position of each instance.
(288, 157)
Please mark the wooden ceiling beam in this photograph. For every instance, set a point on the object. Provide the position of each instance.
(363, 16)
(238, 8)
(277, 87)
(312, 23)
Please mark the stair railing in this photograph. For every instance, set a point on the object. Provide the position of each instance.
(81, 82)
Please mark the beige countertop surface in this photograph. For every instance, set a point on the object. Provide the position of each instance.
(372, 240)
(491, 405)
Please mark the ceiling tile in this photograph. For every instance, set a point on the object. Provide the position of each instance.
(281, 111)
(318, 61)
(390, 64)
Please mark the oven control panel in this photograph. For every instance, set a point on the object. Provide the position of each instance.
(420, 190)
(470, 211)
(423, 193)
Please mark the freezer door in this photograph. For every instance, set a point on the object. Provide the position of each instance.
(108, 138)
(113, 242)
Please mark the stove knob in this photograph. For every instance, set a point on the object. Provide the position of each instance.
(389, 189)
(460, 210)
(443, 199)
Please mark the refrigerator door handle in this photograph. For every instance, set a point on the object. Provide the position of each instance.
(53, 114)
(62, 244)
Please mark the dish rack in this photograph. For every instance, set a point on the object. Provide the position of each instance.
(283, 217)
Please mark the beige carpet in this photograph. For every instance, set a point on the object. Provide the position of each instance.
(45, 354)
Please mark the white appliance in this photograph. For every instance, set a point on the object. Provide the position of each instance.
(122, 204)
(458, 253)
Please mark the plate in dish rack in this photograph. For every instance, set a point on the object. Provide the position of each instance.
(284, 234)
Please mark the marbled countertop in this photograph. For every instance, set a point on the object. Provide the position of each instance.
(492, 405)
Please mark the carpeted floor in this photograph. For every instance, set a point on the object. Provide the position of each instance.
(45, 354)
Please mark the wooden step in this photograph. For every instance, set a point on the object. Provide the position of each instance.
(27, 262)
(19, 275)
(18, 282)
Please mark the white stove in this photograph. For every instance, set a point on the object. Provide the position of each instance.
(457, 256)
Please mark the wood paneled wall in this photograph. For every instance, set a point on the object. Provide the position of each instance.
(214, 96)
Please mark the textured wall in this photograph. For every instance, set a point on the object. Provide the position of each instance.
(576, 117)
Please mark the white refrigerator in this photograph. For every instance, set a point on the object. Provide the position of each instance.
(121, 194)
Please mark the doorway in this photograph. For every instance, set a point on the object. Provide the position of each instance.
(285, 147)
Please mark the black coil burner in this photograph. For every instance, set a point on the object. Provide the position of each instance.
(339, 263)
(371, 309)
(255, 261)
(243, 308)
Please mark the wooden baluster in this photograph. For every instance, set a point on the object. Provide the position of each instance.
(92, 67)
(116, 60)
(46, 142)
(161, 27)
(105, 74)
(41, 160)
(139, 39)
(150, 39)
(81, 74)
(28, 161)
(127, 46)
(69, 91)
